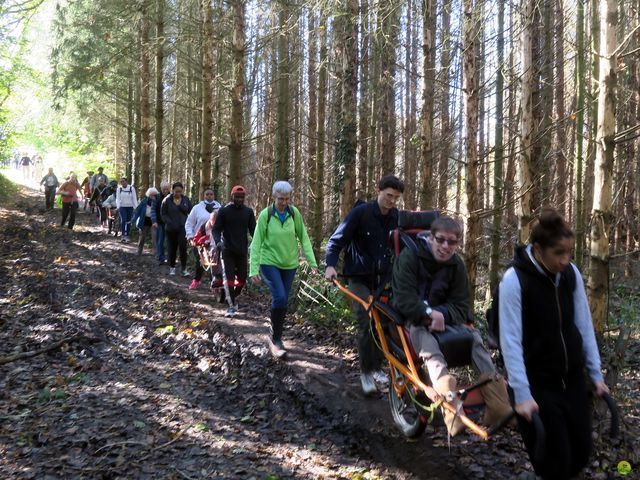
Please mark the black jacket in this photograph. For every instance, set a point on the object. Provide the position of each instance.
(364, 233)
(233, 223)
(552, 344)
(175, 216)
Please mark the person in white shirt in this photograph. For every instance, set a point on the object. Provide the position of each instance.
(196, 219)
(126, 201)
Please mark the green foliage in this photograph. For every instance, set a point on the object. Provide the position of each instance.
(625, 306)
(7, 188)
(48, 394)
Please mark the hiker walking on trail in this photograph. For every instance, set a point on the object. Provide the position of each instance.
(25, 164)
(547, 340)
(142, 219)
(158, 224)
(364, 235)
(174, 211)
(275, 256)
(97, 178)
(50, 182)
(235, 222)
(431, 291)
(110, 207)
(69, 191)
(86, 188)
(100, 193)
(198, 216)
(126, 201)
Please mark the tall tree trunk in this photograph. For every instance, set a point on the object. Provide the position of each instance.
(561, 136)
(281, 170)
(175, 125)
(237, 95)
(145, 105)
(545, 107)
(527, 125)
(426, 152)
(158, 170)
(134, 173)
(364, 108)
(389, 13)
(347, 52)
(206, 125)
(494, 259)
(131, 128)
(471, 100)
(601, 215)
(318, 187)
(446, 130)
(312, 146)
(579, 160)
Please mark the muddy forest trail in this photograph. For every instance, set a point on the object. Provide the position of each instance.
(148, 380)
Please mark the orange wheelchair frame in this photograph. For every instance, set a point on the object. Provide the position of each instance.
(408, 379)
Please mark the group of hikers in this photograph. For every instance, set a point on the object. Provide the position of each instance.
(31, 166)
(546, 334)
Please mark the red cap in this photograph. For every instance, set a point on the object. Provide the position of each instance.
(238, 189)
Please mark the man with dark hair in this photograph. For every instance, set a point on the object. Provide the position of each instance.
(431, 290)
(364, 233)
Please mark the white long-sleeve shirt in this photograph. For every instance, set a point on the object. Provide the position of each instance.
(197, 218)
(126, 196)
(510, 313)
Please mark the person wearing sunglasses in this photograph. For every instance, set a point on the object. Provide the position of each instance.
(431, 291)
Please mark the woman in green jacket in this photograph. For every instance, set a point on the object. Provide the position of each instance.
(275, 256)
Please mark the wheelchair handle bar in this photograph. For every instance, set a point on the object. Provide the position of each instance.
(614, 428)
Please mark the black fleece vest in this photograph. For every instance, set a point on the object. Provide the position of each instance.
(551, 341)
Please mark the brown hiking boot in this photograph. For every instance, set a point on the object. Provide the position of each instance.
(496, 400)
(446, 386)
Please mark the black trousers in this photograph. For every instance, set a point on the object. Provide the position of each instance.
(236, 270)
(49, 197)
(175, 241)
(566, 416)
(368, 352)
(69, 210)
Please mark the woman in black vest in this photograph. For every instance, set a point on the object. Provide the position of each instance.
(547, 340)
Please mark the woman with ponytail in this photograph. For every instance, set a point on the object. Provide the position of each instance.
(548, 342)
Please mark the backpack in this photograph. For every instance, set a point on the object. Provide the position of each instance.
(493, 312)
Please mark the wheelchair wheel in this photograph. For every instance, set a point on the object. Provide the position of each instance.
(406, 414)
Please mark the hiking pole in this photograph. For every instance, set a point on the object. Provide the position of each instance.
(225, 285)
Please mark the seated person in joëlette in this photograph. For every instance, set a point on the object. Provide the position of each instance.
(431, 291)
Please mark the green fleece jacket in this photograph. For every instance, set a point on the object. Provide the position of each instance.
(276, 243)
(445, 286)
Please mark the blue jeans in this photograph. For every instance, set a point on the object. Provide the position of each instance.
(126, 214)
(279, 282)
(160, 242)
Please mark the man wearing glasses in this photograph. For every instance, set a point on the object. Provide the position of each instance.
(431, 290)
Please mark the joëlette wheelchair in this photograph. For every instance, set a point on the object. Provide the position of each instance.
(412, 398)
